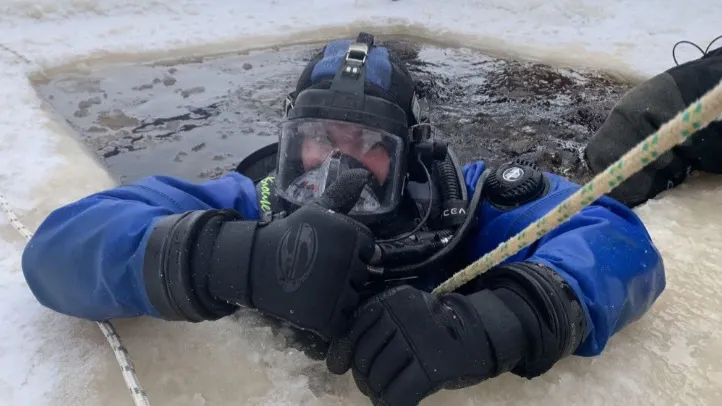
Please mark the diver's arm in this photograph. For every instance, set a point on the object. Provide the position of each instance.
(606, 256)
(178, 251)
(86, 258)
(602, 259)
(567, 293)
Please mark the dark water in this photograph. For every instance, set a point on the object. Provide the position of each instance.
(197, 118)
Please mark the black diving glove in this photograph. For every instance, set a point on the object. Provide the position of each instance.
(406, 344)
(641, 112)
(306, 268)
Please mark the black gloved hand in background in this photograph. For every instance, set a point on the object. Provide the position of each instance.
(641, 112)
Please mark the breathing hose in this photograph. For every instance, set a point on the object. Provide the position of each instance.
(453, 242)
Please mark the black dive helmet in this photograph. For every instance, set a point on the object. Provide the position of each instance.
(351, 114)
(417, 203)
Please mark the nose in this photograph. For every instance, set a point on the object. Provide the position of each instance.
(376, 160)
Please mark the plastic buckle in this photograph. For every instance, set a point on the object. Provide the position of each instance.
(357, 52)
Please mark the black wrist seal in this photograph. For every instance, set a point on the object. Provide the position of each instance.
(550, 313)
(187, 255)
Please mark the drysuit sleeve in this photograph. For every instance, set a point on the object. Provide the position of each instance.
(604, 253)
(86, 258)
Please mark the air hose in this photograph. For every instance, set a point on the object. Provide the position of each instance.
(448, 179)
(449, 239)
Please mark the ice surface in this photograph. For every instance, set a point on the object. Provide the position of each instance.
(669, 357)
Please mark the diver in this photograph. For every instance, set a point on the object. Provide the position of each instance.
(343, 227)
(643, 110)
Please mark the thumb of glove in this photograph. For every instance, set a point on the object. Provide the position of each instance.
(343, 194)
(338, 357)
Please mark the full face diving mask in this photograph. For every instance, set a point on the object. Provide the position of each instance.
(345, 126)
(317, 151)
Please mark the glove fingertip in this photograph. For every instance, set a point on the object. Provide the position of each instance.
(343, 194)
(338, 358)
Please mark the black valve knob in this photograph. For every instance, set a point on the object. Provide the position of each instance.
(515, 183)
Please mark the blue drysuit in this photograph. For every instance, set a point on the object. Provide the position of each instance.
(86, 258)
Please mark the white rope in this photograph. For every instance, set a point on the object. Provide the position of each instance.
(121, 353)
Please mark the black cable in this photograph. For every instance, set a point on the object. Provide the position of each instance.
(704, 52)
(458, 237)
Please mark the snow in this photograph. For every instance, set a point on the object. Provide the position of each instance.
(669, 357)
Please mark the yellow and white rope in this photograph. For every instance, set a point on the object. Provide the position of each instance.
(695, 117)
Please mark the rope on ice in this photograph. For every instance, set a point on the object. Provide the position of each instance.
(121, 353)
(695, 117)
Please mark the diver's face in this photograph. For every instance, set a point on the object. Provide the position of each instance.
(347, 139)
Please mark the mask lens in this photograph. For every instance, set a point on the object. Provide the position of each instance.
(314, 152)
